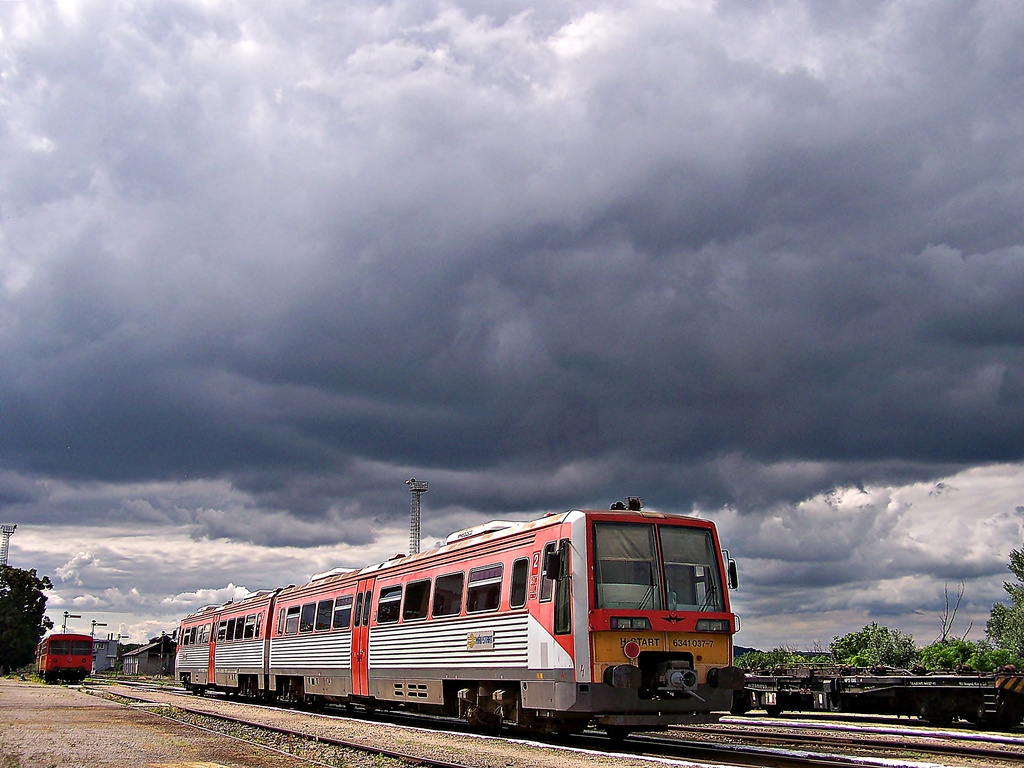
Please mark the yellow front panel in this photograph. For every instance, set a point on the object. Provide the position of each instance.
(707, 649)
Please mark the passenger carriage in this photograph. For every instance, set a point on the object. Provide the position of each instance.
(619, 618)
(224, 647)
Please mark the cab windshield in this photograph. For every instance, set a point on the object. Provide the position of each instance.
(629, 574)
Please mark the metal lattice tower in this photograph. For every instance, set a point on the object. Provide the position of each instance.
(417, 488)
(6, 529)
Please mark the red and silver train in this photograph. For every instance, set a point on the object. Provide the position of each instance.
(64, 657)
(617, 617)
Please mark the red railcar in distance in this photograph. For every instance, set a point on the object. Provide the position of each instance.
(64, 657)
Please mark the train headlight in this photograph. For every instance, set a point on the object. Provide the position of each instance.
(713, 625)
(619, 622)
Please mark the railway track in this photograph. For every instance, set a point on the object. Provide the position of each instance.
(836, 719)
(871, 725)
(868, 740)
(796, 749)
(295, 744)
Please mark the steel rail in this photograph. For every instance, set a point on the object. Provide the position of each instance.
(643, 744)
(852, 740)
(872, 725)
(959, 741)
(910, 721)
(636, 745)
(734, 754)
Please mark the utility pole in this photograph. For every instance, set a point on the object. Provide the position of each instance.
(117, 653)
(6, 530)
(417, 488)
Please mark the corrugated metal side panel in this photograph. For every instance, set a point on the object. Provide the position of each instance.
(434, 645)
(242, 654)
(329, 650)
(197, 657)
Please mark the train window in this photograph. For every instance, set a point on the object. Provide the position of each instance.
(691, 569)
(323, 615)
(206, 634)
(280, 621)
(484, 592)
(626, 573)
(366, 609)
(193, 633)
(546, 585)
(222, 629)
(342, 612)
(389, 603)
(306, 622)
(259, 621)
(250, 627)
(81, 647)
(239, 627)
(563, 591)
(230, 635)
(520, 575)
(358, 618)
(60, 647)
(291, 622)
(417, 598)
(448, 595)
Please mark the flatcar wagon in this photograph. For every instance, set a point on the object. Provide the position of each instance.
(985, 699)
(64, 657)
(619, 618)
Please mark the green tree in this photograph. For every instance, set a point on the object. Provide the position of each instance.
(949, 654)
(874, 645)
(22, 619)
(1006, 626)
(777, 657)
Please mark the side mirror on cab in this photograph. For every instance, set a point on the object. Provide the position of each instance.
(551, 566)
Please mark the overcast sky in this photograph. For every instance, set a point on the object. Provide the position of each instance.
(261, 263)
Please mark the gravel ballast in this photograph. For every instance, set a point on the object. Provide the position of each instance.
(58, 727)
(52, 726)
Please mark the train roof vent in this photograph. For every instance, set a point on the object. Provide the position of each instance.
(479, 530)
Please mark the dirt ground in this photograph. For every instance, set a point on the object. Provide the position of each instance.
(52, 726)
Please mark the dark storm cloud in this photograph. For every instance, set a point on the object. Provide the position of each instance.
(712, 256)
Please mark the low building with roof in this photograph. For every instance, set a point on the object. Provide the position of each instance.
(154, 658)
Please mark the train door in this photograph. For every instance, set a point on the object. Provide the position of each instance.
(211, 674)
(361, 638)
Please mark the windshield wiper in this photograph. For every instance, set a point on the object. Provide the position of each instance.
(712, 591)
(648, 595)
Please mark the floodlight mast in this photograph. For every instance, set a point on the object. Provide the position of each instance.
(6, 530)
(417, 488)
